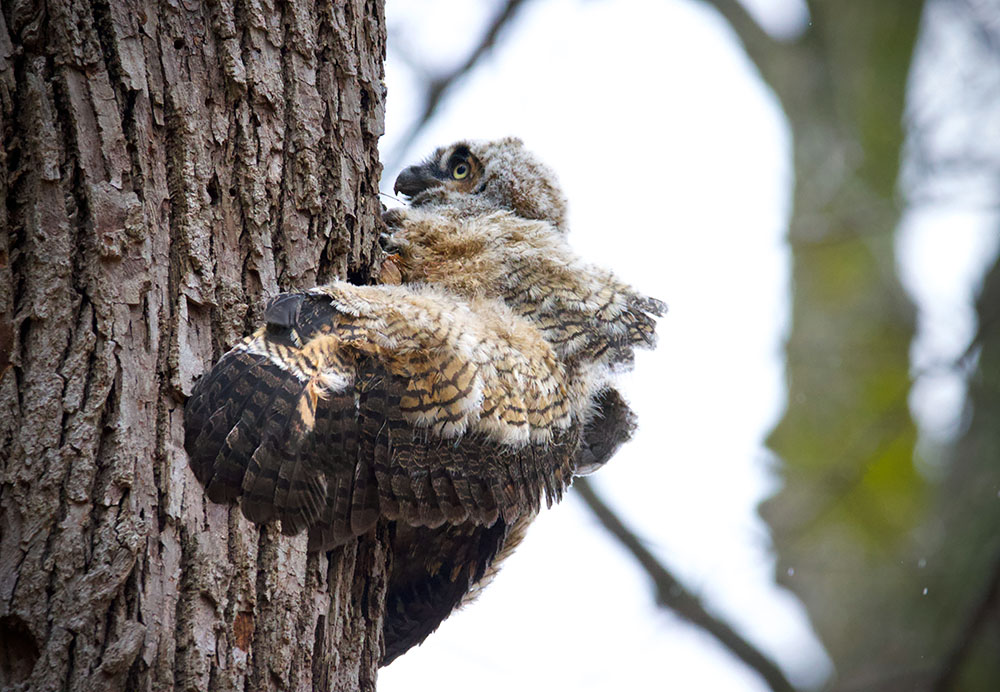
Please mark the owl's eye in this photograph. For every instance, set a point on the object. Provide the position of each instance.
(460, 170)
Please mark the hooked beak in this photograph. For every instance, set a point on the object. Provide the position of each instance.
(413, 180)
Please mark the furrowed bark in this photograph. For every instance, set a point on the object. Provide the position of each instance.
(166, 167)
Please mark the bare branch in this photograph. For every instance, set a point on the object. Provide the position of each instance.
(670, 593)
(759, 46)
(438, 86)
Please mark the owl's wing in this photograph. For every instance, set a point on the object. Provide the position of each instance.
(437, 570)
(359, 402)
(611, 425)
(585, 312)
(433, 572)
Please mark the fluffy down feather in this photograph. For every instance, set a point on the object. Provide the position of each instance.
(449, 405)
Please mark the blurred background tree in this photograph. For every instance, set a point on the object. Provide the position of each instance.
(885, 522)
(863, 535)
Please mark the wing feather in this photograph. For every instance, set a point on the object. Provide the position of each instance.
(354, 403)
(218, 405)
(583, 311)
(238, 423)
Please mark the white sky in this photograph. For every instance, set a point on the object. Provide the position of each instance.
(676, 162)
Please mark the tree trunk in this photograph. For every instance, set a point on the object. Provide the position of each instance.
(842, 522)
(846, 519)
(167, 166)
(968, 548)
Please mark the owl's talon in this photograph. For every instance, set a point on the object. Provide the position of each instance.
(282, 311)
(393, 218)
(390, 271)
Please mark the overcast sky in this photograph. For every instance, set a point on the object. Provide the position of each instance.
(676, 161)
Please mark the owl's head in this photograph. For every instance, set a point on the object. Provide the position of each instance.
(482, 177)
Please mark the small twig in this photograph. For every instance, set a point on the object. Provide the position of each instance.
(437, 87)
(987, 604)
(670, 593)
(392, 197)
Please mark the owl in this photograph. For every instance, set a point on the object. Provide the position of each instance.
(450, 401)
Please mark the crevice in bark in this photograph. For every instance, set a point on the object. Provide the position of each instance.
(130, 577)
(288, 153)
(18, 650)
(104, 31)
(319, 641)
(70, 657)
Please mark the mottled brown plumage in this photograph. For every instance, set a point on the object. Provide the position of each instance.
(450, 404)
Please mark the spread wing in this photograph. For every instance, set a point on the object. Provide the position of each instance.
(353, 403)
(433, 573)
(585, 312)
(437, 570)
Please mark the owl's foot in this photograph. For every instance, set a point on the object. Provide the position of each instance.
(393, 218)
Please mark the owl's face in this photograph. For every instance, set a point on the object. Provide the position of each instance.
(453, 169)
(483, 177)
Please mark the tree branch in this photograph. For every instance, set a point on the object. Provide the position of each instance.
(437, 87)
(759, 46)
(670, 593)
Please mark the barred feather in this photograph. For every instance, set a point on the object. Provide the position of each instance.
(450, 405)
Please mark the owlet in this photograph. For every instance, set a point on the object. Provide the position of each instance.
(449, 404)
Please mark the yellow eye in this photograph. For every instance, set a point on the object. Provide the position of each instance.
(460, 170)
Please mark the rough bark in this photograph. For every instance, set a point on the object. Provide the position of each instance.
(167, 166)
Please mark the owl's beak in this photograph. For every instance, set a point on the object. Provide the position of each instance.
(413, 180)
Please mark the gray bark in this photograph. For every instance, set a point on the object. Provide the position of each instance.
(167, 166)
